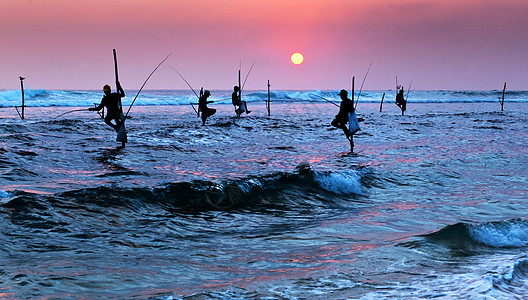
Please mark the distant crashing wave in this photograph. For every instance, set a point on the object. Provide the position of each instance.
(4, 194)
(279, 190)
(46, 98)
(501, 234)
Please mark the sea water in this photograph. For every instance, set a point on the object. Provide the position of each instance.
(431, 204)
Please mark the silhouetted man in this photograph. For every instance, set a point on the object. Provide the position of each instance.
(202, 106)
(400, 101)
(341, 119)
(112, 102)
(235, 99)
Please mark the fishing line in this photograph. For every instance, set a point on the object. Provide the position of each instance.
(324, 99)
(189, 85)
(244, 84)
(185, 81)
(409, 89)
(71, 111)
(145, 83)
(361, 88)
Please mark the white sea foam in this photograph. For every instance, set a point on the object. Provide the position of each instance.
(345, 182)
(4, 194)
(513, 233)
(45, 98)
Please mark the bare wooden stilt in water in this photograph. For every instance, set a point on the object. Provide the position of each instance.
(239, 94)
(353, 81)
(501, 100)
(351, 138)
(381, 104)
(23, 101)
(268, 104)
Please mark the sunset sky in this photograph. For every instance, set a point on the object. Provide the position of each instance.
(443, 44)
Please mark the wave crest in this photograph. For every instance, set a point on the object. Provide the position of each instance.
(501, 234)
(304, 187)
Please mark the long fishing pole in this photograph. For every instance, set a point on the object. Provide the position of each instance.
(361, 88)
(409, 89)
(325, 99)
(189, 85)
(185, 81)
(71, 111)
(145, 83)
(244, 84)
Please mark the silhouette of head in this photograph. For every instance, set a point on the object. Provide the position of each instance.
(236, 88)
(107, 89)
(207, 93)
(343, 94)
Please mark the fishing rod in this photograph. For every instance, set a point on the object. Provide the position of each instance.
(361, 88)
(189, 85)
(409, 89)
(145, 83)
(324, 99)
(244, 84)
(71, 111)
(185, 81)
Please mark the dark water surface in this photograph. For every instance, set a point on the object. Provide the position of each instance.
(431, 205)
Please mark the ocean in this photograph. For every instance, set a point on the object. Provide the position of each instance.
(431, 204)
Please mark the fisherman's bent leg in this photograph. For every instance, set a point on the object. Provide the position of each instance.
(336, 123)
(118, 122)
(108, 120)
(345, 130)
(245, 106)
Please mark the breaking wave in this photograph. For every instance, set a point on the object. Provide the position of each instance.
(280, 189)
(4, 194)
(501, 234)
(45, 98)
(347, 182)
(514, 281)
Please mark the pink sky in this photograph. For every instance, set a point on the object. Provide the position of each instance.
(444, 44)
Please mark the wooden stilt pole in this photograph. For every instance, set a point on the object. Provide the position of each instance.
(23, 100)
(117, 79)
(21, 115)
(353, 79)
(239, 87)
(381, 104)
(121, 133)
(351, 139)
(239, 109)
(502, 100)
(268, 104)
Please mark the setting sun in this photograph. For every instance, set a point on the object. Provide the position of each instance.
(297, 58)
